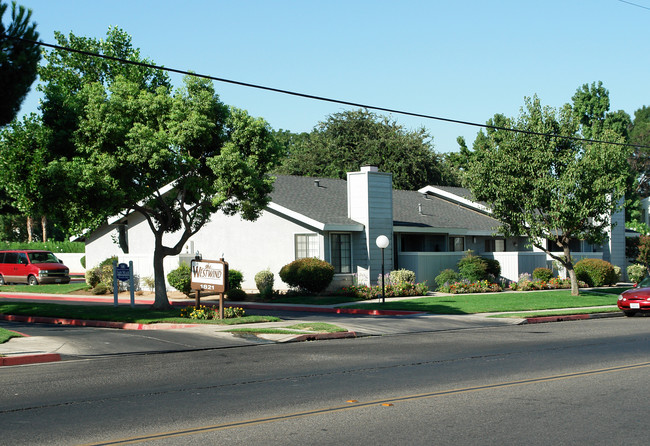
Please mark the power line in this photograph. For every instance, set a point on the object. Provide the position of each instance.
(634, 4)
(318, 98)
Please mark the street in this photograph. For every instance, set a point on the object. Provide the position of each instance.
(578, 382)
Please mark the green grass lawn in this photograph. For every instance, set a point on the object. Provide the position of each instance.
(496, 302)
(5, 335)
(139, 315)
(44, 289)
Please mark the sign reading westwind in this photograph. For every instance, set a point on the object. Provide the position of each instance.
(210, 275)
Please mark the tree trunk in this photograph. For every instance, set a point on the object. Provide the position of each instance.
(30, 224)
(575, 291)
(161, 302)
(44, 226)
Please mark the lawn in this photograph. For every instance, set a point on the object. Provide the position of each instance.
(138, 315)
(5, 335)
(45, 289)
(495, 302)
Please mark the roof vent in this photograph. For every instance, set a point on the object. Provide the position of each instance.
(317, 183)
(420, 208)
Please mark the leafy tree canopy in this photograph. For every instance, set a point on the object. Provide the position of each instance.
(547, 187)
(175, 157)
(348, 140)
(18, 60)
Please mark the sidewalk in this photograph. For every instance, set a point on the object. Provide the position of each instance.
(36, 349)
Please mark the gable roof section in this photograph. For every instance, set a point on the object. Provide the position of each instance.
(317, 202)
(324, 207)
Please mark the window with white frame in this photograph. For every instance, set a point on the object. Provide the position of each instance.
(341, 249)
(307, 246)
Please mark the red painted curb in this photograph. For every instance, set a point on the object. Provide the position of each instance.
(29, 359)
(542, 319)
(90, 323)
(321, 336)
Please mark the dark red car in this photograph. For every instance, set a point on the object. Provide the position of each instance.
(636, 299)
(31, 266)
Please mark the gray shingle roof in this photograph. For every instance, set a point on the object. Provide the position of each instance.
(327, 203)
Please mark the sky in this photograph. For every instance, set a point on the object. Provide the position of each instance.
(462, 60)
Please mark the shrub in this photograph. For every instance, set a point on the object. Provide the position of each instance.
(181, 279)
(264, 283)
(100, 288)
(446, 276)
(636, 272)
(149, 282)
(472, 267)
(493, 267)
(235, 278)
(311, 274)
(93, 277)
(401, 276)
(236, 294)
(595, 272)
(544, 274)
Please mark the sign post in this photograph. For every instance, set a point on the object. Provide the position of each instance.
(211, 276)
(122, 273)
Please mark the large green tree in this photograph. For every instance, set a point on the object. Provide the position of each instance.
(18, 60)
(347, 140)
(24, 176)
(128, 142)
(640, 159)
(548, 187)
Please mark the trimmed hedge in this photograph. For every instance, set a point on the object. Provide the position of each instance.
(543, 274)
(67, 247)
(595, 272)
(181, 279)
(309, 273)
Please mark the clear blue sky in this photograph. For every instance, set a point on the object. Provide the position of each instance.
(464, 60)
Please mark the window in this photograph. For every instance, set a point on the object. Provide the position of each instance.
(456, 243)
(306, 245)
(341, 253)
(498, 245)
(423, 243)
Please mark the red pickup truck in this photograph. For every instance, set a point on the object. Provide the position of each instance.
(32, 267)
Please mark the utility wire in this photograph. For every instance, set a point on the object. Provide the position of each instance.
(634, 4)
(317, 98)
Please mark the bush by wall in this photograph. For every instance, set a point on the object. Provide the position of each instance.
(402, 276)
(472, 267)
(446, 277)
(636, 272)
(264, 283)
(493, 267)
(543, 274)
(235, 278)
(311, 274)
(595, 272)
(181, 279)
(236, 294)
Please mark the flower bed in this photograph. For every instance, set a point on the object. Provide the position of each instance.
(401, 289)
(205, 312)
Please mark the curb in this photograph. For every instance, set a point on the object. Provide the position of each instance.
(569, 317)
(91, 323)
(324, 336)
(29, 359)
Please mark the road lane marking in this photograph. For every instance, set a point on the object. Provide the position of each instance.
(360, 405)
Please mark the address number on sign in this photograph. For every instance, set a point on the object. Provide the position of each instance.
(205, 286)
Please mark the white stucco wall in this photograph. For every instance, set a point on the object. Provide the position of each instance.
(249, 247)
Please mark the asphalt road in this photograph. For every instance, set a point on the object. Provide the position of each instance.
(582, 382)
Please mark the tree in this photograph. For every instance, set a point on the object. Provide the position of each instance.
(550, 188)
(24, 170)
(174, 158)
(350, 139)
(640, 159)
(66, 73)
(125, 141)
(18, 60)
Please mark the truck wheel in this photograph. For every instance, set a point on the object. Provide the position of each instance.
(32, 280)
(2, 280)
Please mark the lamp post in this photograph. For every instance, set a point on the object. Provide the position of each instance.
(382, 243)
